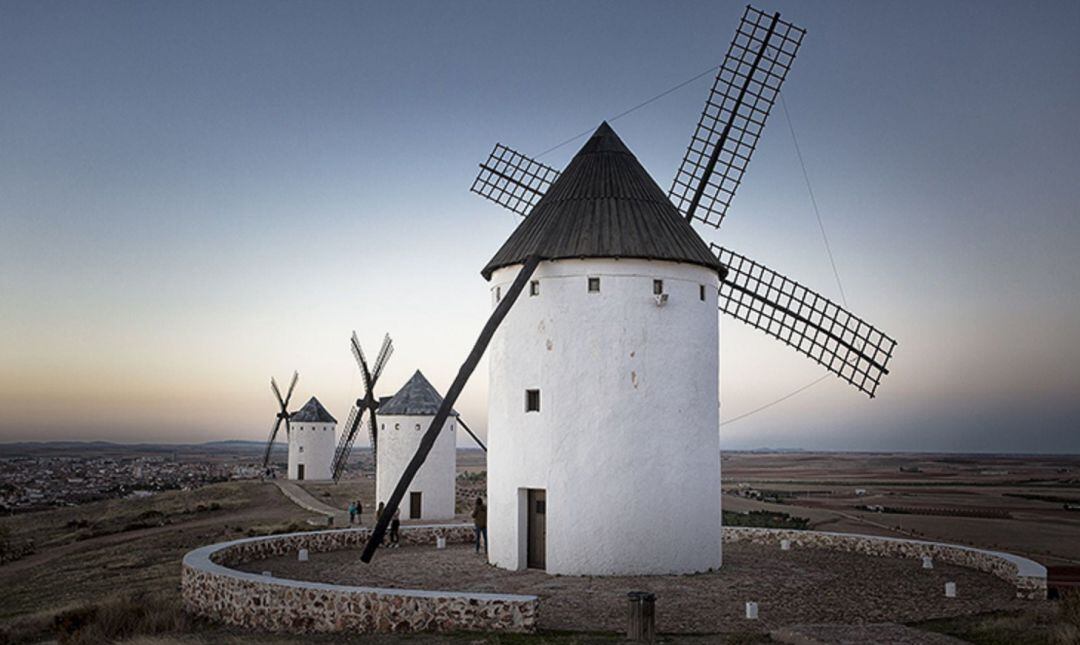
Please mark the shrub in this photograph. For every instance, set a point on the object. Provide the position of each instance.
(120, 618)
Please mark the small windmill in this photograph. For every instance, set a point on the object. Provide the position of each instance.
(364, 406)
(282, 415)
(745, 89)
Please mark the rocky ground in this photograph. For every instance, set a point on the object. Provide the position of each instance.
(791, 587)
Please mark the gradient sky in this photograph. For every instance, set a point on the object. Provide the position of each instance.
(196, 196)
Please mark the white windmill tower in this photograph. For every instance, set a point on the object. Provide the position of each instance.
(312, 438)
(402, 421)
(603, 412)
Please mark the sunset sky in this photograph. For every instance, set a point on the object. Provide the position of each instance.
(197, 196)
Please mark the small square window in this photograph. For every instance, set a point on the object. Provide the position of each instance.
(534, 288)
(532, 400)
(701, 292)
(594, 285)
(657, 287)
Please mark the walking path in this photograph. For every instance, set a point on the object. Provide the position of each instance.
(309, 502)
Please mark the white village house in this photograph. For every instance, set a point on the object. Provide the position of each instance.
(403, 419)
(604, 451)
(312, 439)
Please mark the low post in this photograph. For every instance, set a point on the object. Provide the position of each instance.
(641, 617)
(440, 542)
(927, 562)
(303, 555)
(751, 611)
(785, 545)
(950, 589)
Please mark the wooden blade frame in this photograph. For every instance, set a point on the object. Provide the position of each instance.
(472, 434)
(447, 405)
(364, 406)
(735, 111)
(283, 415)
(512, 180)
(843, 343)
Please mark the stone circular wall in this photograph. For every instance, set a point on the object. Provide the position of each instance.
(1028, 576)
(211, 588)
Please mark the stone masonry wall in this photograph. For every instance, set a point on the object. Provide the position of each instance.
(266, 603)
(209, 588)
(1028, 576)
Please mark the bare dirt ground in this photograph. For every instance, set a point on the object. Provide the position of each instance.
(798, 586)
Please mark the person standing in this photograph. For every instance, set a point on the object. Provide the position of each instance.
(352, 513)
(479, 516)
(378, 515)
(395, 524)
(359, 513)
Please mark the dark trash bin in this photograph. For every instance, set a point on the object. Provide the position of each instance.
(641, 617)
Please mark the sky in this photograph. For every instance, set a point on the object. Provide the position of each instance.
(197, 196)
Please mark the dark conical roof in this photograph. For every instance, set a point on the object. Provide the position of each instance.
(416, 398)
(312, 412)
(604, 205)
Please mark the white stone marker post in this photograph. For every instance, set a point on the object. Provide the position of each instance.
(950, 589)
(751, 611)
(785, 545)
(303, 555)
(927, 562)
(440, 542)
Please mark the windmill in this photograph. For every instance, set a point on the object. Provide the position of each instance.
(282, 415)
(737, 106)
(364, 406)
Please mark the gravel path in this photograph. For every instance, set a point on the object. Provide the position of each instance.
(797, 586)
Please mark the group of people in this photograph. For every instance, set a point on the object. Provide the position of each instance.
(479, 518)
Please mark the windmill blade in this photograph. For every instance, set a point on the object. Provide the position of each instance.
(373, 433)
(843, 343)
(270, 443)
(361, 360)
(345, 444)
(447, 405)
(512, 180)
(277, 393)
(384, 355)
(292, 386)
(735, 111)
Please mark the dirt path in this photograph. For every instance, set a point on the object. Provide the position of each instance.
(309, 502)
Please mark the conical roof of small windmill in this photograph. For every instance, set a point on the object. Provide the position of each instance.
(312, 412)
(416, 398)
(604, 205)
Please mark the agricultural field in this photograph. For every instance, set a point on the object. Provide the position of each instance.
(1025, 505)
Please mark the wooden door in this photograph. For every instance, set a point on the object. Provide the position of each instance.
(300, 472)
(414, 506)
(537, 530)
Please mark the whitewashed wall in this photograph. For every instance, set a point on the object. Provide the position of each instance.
(399, 439)
(318, 440)
(626, 442)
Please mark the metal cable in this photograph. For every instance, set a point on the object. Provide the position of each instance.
(633, 109)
